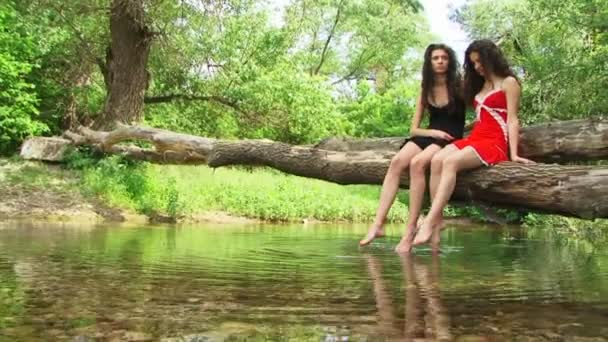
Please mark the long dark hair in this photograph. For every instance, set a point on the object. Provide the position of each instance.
(453, 78)
(493, 62)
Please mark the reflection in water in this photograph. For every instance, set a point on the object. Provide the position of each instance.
(425, 316)
(300, 283)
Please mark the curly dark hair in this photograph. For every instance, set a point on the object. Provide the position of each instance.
(453, 79)
(493, 62)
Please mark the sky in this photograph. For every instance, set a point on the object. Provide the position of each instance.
(449, 32)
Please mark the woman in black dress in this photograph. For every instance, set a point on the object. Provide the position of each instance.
(441, 97)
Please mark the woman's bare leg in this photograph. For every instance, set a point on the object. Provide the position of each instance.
(464, 159)
(418, 167)
(436, 167)
(390, 186)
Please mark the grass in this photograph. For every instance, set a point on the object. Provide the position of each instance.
(16, 173)
(259, 193)
(271, 195)
(593, 234)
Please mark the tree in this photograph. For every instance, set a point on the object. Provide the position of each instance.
(18, 95)
(355, 40)
(559, 47)
(220, 68)
(125, 69)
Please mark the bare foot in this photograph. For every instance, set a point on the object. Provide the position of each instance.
(424, 234)
(436, 238)
(372, 233)
(419, 221)
(405, 245)
(441, 224)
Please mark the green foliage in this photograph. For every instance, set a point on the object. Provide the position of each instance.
(18, 95)
(81, 158)
(590, 236)
(259, 193)
(241, 74)
(270, 195)
(234, 70)
(381, 114)
(170, 197)
(69, 36)
(559, 47)
(299, 108)
(260, 80)
(351, 40)
(125, 183)
(589, 230)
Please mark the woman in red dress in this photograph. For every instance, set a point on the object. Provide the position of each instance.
(494, 91)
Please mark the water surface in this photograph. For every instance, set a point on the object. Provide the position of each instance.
(303, 283)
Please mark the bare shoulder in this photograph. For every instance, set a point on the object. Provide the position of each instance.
(511, 84)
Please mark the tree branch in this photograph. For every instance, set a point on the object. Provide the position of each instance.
(85, 44)
(329, 37)
(209, 98)
(356, 69)
(186, 97)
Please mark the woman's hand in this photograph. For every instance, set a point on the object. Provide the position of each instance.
(522, 160)
(438, 134)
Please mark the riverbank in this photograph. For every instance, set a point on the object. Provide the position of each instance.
(32, 190)
(38, 191)
(115, 190)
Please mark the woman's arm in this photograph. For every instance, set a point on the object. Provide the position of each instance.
(513, 92)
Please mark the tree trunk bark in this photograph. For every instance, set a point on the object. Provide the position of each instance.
(557, 142)
(125, 71)
(580, 191)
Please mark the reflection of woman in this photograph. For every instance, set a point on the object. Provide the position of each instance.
(428, 282)
(425, 316)
(386, 315)
(414, 316)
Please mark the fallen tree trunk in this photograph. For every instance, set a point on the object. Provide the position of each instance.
(556, 142)
(580, 191)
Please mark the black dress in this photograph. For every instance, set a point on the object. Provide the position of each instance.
(443, 120)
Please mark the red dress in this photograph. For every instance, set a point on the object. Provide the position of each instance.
(489, 136)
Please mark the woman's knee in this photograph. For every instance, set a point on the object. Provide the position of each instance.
(437, 163)
(398, 163)
(450, 163)
(418, 165)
